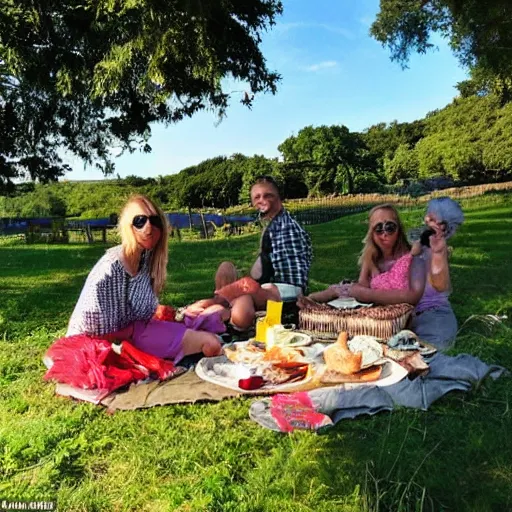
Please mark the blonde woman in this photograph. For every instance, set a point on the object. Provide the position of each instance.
(120, 295)
(389, 273)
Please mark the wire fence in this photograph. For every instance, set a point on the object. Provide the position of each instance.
(199, 224)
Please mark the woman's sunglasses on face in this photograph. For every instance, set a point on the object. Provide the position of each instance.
(388, 227)
(139, 221)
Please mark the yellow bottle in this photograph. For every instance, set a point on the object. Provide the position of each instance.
(261, 330)
(274, 312)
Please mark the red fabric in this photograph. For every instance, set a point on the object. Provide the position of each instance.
(90, 363)
(165, 313)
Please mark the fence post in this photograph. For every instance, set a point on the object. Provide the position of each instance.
(190, 218)
(88, 234)
(204, 225)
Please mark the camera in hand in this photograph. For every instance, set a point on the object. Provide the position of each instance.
(425, 237)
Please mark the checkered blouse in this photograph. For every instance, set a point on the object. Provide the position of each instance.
(111, 299)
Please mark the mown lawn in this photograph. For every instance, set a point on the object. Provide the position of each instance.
(456, 456)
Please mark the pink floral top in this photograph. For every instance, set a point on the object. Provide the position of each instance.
(396, 278)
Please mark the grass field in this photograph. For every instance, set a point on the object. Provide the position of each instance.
(456, 456)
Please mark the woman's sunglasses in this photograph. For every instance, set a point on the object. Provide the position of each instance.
(388, 227)
(139, 221)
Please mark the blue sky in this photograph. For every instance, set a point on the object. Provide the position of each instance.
(332, 71)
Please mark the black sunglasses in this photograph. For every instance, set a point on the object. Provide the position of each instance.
(389, 227)
(139, 221)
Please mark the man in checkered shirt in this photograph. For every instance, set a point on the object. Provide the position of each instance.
(282, 265)
(285, 250)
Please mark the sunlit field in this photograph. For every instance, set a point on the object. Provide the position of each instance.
(212, 457)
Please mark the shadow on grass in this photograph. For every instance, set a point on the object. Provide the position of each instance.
(453, 457)
(40, 286)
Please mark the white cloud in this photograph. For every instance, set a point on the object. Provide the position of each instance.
(326, 64)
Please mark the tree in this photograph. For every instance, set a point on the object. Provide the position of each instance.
(497, 146)
(483, 82)
(403, 165)
(89, 76)
(478, 31)
(254, 166)
(329, 155)
(384, 139)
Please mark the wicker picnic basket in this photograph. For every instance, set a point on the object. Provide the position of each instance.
(325, 322)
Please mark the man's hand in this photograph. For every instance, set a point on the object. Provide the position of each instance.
(244, 286)
(416, 248)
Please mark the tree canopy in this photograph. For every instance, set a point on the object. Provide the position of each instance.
(330, 156)
(91, 76)
(479, 32)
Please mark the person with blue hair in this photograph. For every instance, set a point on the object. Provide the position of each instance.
(433, 319)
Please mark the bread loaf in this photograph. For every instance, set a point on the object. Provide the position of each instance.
(340, 359)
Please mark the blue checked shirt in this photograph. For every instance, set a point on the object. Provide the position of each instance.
(291, 250)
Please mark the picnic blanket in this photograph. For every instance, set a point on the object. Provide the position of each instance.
(187, 388)
(321, 408)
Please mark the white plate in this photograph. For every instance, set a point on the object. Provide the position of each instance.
(229, 379)
(392, 373)
(372, 350)
(348, 303)
(300, 339)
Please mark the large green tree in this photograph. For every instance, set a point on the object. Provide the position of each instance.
(479, 31)
(90, 75)
(330, 157)
(382, 140)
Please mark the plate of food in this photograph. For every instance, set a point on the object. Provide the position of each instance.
(351, 356)
(372, 350)
(272, 378)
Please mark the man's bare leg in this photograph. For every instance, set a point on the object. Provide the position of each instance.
(243, 312)
(226, 274)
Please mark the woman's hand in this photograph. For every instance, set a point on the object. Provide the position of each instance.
(358, 292)
(343, 290)
(437, 240)
(304, 301)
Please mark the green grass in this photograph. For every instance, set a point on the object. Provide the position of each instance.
(456, 456)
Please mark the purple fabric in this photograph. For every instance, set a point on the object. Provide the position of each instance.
(431, 297)
(160, 339)
(211, 323)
